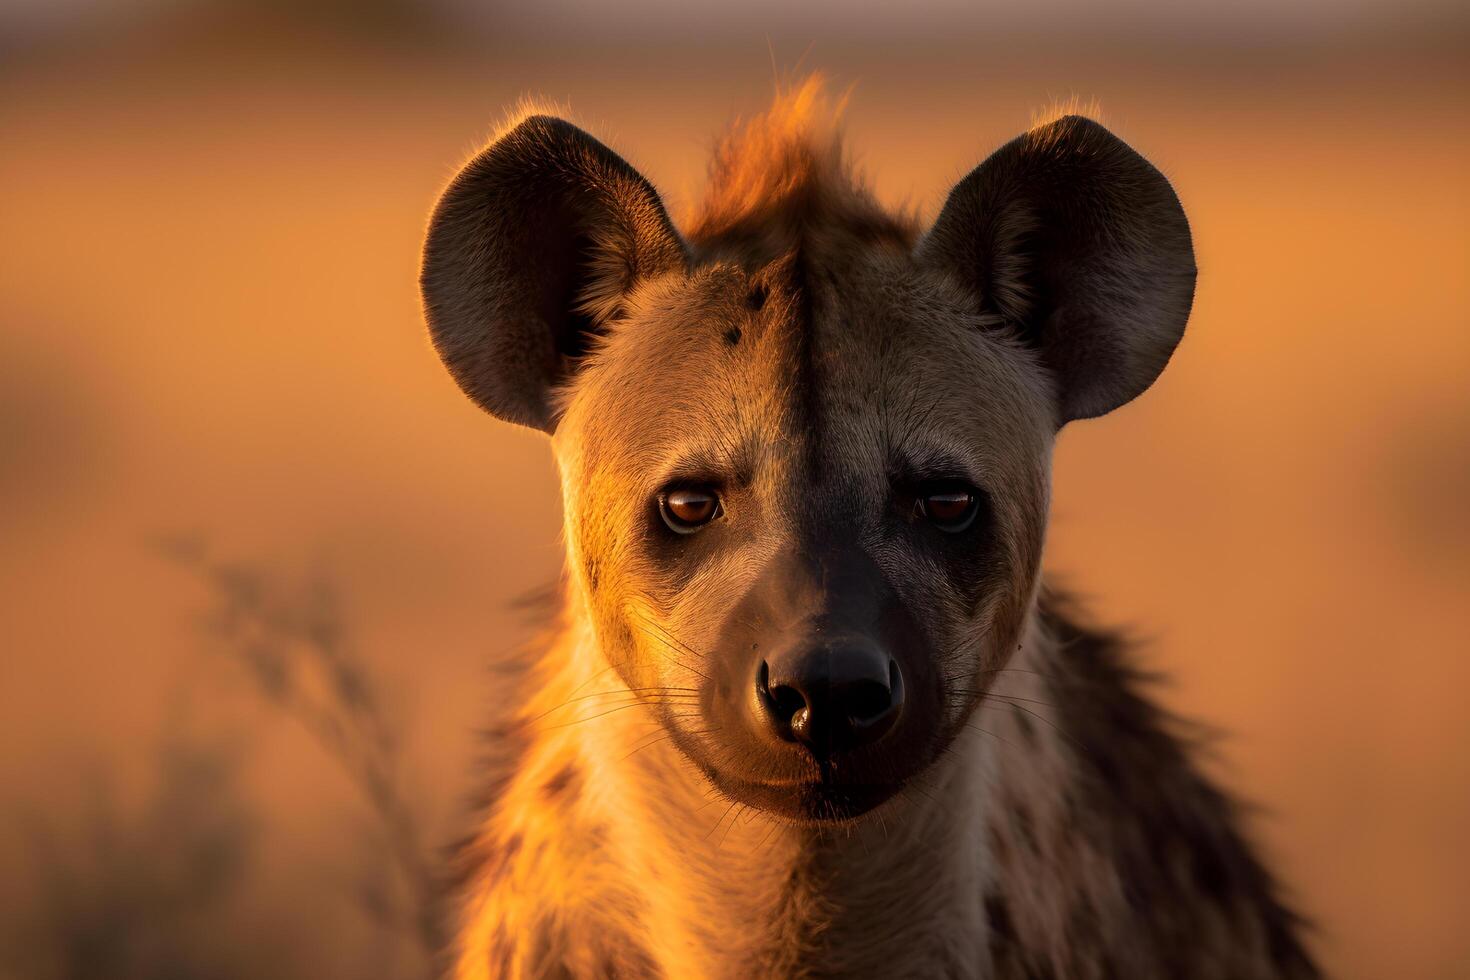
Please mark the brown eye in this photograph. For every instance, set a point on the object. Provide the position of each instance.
(948, 510)
(688, 509)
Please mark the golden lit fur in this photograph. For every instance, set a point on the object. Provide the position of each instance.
(804, 348)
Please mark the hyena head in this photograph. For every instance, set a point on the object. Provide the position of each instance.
(804, 450)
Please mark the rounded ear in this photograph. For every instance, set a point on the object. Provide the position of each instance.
(1079, 244)
(530, 251)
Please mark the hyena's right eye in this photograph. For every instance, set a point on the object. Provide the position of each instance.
(687, 509)
(950, 508)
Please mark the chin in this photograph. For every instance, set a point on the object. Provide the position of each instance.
(812, 803)
(789, 784)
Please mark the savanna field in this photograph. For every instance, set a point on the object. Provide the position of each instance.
(224, 441)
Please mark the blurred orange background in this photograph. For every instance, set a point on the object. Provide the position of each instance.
(210, 332)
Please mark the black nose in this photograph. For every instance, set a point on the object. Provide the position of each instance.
(830, 697)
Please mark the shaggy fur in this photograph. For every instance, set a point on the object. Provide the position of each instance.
(814, 359)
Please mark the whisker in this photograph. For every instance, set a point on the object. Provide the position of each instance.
(986, 731)
(671, 642)
(917, 785)
(1053, 726)
(731, 826)
(1019, 670)
(675, 643)
(680, 644)
(601, 714)
(1009, 697)
(592, 678)
(767, 836)
(619, 692)
(728, 810)
(647, 742)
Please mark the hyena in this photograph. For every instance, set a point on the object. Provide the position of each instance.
(810, 710)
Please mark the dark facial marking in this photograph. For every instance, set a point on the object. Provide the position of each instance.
(566, 782)
(1023, 725)
(808, 405)
(500, 857)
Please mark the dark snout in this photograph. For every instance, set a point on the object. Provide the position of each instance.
(830, 695)
(826, 699)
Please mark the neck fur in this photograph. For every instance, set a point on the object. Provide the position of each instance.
(611, 848)
(726, 890)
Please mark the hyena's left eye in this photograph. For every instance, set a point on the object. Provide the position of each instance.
(687, 509)
(951, 509)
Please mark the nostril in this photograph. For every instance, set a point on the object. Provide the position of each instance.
(785, 705)
(872, 704)
(787, 701)
(867, 700)
(783, 701)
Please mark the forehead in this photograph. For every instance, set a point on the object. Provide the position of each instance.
(845, 367)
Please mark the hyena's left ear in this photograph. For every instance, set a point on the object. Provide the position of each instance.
(1080, 244)
(530, 250)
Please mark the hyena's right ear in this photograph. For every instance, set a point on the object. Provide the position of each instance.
(530, 250)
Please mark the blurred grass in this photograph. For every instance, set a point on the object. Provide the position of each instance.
(145, 894)
(158, 890)
(297, 652)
